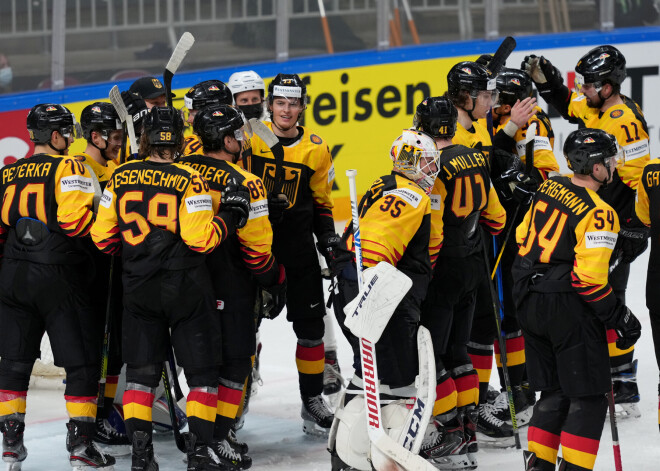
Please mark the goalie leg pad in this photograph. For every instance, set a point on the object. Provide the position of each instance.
(352, 440)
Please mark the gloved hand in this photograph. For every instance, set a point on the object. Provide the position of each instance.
(632, 242)
(336, 256)
(543, 73)
(236, 200)
(277, 293)
(523, 187)
(277, 204)
(484, 59)
(627, 327)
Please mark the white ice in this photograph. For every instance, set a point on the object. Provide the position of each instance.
(273, 427)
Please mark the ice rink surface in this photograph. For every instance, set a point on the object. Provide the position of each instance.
(273, 427)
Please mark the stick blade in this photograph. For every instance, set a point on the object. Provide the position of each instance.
(183, 46)
(118, 103)
(264, 132)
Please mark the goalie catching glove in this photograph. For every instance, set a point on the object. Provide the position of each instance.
(236, 200)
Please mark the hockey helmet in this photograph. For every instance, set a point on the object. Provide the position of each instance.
(471, 77)
(513, 84)
(437, 117)
(416, 156)
(101, 117)
(245, 81)
(164, 127)
(209, 92)
(585, 147)
(288, 86)
(43, 119)
(215, 122)
(601, 65)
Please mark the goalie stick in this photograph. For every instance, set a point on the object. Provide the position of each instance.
(125, 118)
(183, 46)
(393, 452)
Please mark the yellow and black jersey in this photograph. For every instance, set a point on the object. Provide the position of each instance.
(307, 183)
(103, 173)
(249, 250)
(192, 145)
(571, 228)
(544, 157)
(477, 137)
(647, 206)
(395, 227)
(467, 198)
(157, 215)
(56, 190)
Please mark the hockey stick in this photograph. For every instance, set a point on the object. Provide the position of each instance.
(618, 466)
(126, 119)
(272, 141)
(178, 394)
(183, 46)
(501, 55)
(106, 339)
(326, 28)
(171, 404)
(393, 452)
(530, 135)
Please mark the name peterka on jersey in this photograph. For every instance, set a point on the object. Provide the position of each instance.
(463, 162)
(26, 171)
(151, 177)
(562, 194)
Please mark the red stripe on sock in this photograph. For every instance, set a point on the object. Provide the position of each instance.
(576, 442)
(611, 336)
(516, 344)
(230, 396)
(138, 397)
(445, 389)
(207, 399)
(310, 353)
(482, 362)
(543, 437)
(467, 382)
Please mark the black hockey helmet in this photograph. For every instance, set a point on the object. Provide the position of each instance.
(513, 84)
(471, 77)
(164, 127)
(585, 147)
(208, 92)
(45, 118)
(601, 64)
(101, 117)
(288, 86)
(437, 117)
(214, 122)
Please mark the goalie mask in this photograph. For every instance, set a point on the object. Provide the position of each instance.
(43, 119)
(437, 117)
(416, 157)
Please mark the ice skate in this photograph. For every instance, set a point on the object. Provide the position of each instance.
(109, 440)
(332, 379)
(13, 449)
(523, 410)
(143, 458)
(470, 419)
(626, 393)
(256, 376)
(445, 447)
(202, 457)
(492, 431)
(317, 418)
(229, 458)
(238, 445)
(83, 452)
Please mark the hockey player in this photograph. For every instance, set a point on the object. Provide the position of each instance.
(239, 267)
(208, 92)
(598, 103)
(102, 130)
(302, 210)
(159, 215)
(464, 199)
(249, 93)
(151, 90)
(44, 285)
(395, 227)
(564, 304)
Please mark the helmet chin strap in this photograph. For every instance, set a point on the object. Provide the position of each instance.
(102, 151)
(59, 151)
(604, 182)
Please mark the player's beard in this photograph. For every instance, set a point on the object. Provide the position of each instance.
(595, 104)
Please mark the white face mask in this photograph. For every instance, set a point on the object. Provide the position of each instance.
(6, 76)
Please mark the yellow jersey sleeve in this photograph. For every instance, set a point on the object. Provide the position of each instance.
(493, 216)
(650, 177)
(74, 193)
(437, 196)
(105, 231)
(192, 145)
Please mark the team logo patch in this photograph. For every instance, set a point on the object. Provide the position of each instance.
(96, 109)
(425, 102)
(217, 113)
(467, 70)
(604, 55)
(616, 114)
(315, 139)
(213, 88)
(51, 108)
(157, 83)
(516, 81)
(589, 140)
(290, 184)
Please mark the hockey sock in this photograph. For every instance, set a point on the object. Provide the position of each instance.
(81, 408)
(515, 358)
(545, 444)
(310, 360)
(230, 399)
(546, 424)
(581, 433)
(619, 359)
(12, 403)
(446, 396)
(201, 406)
(108, 396)
(482, 360)
(467, 385)
(138, 400)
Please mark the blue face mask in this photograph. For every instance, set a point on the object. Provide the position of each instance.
(6, 76)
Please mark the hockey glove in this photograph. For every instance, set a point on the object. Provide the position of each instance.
(329, 245)
(632, 242)
(236, 200)
(522, 186)
(543, 73)
(277, 294)
(277, 204)
(628, 328)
